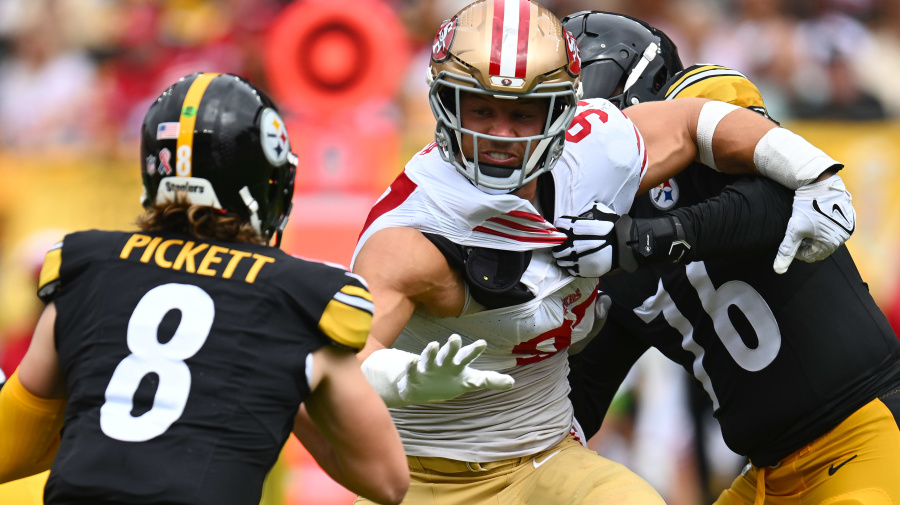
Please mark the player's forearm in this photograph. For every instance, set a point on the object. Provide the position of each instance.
(31, 431)
(748, 217)
(739, 141)
(365, 476)
(350, 429)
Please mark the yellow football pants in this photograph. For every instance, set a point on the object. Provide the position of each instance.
(567, 474)
(27, 491)
(856, 463)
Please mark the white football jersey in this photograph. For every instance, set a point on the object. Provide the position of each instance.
(603, 161)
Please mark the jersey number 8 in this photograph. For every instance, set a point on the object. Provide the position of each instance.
(148, 355)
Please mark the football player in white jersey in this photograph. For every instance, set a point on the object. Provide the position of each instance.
(480, 246)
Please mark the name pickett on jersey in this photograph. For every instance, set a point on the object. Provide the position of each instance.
(195, 257)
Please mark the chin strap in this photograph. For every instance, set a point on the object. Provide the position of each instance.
(253, 207)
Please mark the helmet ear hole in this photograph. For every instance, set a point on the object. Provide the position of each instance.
(659, 80)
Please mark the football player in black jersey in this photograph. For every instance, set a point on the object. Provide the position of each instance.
(175, 358)
(802, 368)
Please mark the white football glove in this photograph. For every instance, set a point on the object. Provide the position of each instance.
(439, 373)
(822, 219)
(590, 246)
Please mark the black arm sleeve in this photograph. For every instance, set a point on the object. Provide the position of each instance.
(750, 216)
(597, 372)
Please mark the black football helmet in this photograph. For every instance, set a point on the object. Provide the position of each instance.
(220, 141)
(623, 59)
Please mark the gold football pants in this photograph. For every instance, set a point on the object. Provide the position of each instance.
(566, 474)
(856, 463)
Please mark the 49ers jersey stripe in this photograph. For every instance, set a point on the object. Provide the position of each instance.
(521, 227)
(509, 38)
(399, 191)
(554, 239)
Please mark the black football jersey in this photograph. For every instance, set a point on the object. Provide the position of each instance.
(185, 362)
(783, 358)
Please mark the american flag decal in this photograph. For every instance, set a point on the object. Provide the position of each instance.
(167, 131)
(522, 227)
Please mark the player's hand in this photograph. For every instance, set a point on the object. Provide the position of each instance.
(822, 219)
(438, 373)
(590, 246)
(443, 372)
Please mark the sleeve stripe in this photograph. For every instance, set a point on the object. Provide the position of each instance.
(699, 76)
(356, 302)
(358, 278)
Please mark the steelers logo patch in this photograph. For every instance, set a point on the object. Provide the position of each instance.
(274, 137)
(665, 196)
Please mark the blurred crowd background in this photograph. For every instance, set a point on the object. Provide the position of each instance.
(76, 77)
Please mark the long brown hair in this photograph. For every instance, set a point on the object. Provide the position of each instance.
(200, 221)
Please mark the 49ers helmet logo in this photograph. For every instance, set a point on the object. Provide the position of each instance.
(573, 53)
(440, 50)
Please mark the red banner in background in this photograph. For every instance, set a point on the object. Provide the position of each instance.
(335, 67)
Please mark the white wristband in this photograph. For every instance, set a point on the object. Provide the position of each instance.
(710, 114)
(789, 159)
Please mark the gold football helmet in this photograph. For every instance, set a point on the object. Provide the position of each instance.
(508, 49)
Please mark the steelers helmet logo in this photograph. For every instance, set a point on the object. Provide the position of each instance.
(274, 137)
(665, 196)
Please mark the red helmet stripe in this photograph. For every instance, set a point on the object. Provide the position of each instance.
(509, 38)
(497, 38)
(522, 47)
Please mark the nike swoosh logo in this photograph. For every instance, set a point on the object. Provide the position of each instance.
(838, 209)
(535, 461)
(833, 468)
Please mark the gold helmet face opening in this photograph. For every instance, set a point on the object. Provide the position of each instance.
(513, 49)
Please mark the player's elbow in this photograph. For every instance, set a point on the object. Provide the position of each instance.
(392, 481)
(392, 493)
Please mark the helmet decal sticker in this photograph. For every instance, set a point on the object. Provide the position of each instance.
(573, 53)
(150, 166)
(509, 38)
(665, 196)
(164, 157)
(274, 137)
(184, 151)
(440, 49)
(167, 131)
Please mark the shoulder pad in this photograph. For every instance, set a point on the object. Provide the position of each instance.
(347, 317)
(715, 83)
(48, 284)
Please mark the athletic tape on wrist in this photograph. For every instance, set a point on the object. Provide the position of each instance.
(789, 159)
(710, 114)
